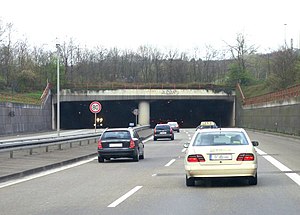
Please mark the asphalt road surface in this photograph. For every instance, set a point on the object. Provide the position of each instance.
(156, 185)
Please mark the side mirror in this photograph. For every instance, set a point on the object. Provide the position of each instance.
(255, 143)
(186, 145)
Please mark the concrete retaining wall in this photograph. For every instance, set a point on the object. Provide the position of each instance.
(22, 118)
(281, 116)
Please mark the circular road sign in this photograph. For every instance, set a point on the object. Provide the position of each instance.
(95, 107)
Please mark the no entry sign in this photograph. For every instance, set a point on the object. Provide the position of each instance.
(95, 107)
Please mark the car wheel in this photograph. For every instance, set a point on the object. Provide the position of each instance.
(136, 156)
(142, 156)
(172, 138)
(155, 138)
(190, 182)
(100, 159)
(253, 180)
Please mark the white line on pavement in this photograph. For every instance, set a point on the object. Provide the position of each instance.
(294, 176)
(170, 162)
(124, 197)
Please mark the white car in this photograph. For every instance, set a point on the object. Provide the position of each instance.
(226, 152)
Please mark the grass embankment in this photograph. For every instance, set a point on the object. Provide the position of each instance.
(25, 98)
(255, 90)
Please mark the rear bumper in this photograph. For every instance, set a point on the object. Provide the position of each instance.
(116, 153)
(221, 171)
(163, 135)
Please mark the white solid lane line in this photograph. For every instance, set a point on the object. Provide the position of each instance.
(294, 176)
(124, 197)
(170, 162)
(41, 174)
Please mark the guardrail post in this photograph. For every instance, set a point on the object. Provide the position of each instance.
(80, 143)
(71, 145)
(88, 142)
(47, 148)
(11, 154)
(59, 146)
(30, 151)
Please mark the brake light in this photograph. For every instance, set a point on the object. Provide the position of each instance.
(195, 158)
(131, 144)
(99, 144)
(245, 157)
(171, 130)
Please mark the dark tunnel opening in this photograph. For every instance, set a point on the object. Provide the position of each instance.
(188, 113)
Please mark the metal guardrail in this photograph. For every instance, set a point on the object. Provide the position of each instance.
(11, 146)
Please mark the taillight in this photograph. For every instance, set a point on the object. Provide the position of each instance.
(99, 144)
(245, 157)
(171, 130)
(131, 144)
(196, 158)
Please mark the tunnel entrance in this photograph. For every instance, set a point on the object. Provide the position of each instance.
(188, 113)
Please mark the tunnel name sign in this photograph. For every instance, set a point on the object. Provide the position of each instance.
(95, 107)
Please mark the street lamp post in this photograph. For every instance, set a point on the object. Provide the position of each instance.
(58, 102)
(285, 44)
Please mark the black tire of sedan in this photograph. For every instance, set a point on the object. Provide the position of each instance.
(100, 159)
(190, 182)
(136, 156)
(253, 180)
(142, 156)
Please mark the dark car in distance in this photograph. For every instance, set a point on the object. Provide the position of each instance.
(118, 143)
(163, 131)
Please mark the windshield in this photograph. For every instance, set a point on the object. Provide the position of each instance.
(220, 138)
(116, 135)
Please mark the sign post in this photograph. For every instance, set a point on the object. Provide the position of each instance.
(136, 113)
(95, 107)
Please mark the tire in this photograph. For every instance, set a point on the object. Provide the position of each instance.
(100, 159)
(253, 180)
(136, 156)
(190, 182)
(172, 138)
(155, 138)
(142, 156)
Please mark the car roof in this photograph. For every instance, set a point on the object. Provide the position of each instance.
(220, 129)
(118, 129)
(162, 124)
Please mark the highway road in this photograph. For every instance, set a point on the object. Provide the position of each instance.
(156, 185)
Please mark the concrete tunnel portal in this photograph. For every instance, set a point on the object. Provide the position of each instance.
(119, 113)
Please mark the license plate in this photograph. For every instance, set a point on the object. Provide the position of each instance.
(112, 145)
(163, 132)
(220, 157)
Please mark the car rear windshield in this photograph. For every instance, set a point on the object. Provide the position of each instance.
(220, 138)
(115, 135)
(162, 127)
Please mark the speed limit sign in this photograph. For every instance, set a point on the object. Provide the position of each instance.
(95, 107)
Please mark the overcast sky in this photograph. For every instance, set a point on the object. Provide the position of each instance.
(165, 24)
